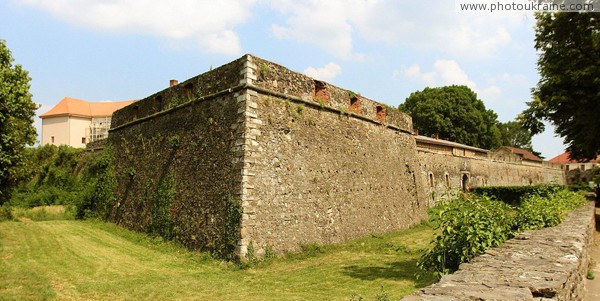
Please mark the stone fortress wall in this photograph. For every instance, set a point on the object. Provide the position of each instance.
(309, 162)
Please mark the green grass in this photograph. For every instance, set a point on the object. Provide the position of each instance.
(90, 260)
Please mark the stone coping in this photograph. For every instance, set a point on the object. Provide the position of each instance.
(546, 264)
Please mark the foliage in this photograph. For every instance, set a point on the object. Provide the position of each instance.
(17, 110)
(232, 227)
(537, 211)
(453, 112)
(54, 179)
(6, 213)
(569, 86)
(99, 196)
(162, 224)
(513, 195)
(471, 224)
(468, 226)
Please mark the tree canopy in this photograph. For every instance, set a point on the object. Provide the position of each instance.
(17, 110)
(453, 112)
(568, 92)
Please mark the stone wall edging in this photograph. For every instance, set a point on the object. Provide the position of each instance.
(546, 264)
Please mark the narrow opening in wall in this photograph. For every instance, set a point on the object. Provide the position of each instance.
(189, 90)
(52, 139)
(83, 140)
(321, 93)
(431, 183)
(380, 113)
(465, 183)
(158, 100)
(447, 180)
(354, 105)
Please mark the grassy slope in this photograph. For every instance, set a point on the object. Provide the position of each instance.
(74, 260)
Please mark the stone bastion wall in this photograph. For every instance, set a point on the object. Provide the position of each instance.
(251, 156)
(546, 264)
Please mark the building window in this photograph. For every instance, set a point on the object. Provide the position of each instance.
(447, 180)
(567, 167)
(380, 113)
(52, 138)
(83, 140)
(354, 105)
(582, 166)
(431, 183)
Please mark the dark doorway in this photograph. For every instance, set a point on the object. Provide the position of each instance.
(465, 182)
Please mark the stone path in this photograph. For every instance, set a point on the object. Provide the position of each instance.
(593, 286)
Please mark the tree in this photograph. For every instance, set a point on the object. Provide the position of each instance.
(514, 134)
(17, 110)
(453, 112)
(568, 92)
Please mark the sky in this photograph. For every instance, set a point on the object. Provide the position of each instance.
(113, 50)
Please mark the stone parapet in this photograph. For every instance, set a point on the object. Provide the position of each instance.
(546, 264)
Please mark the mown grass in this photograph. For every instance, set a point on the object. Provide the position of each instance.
(91, 260)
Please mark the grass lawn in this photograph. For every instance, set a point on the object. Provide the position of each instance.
(90, 260)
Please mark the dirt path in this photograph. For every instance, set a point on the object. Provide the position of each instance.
(593, 286)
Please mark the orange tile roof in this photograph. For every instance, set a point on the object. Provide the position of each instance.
(525, 154)
(566, 158)
(76, 107)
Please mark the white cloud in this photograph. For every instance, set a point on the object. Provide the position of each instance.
(326, 73)
(334, 24)
(449, 72)
(208, 22)
(326, 24)
(445, 72)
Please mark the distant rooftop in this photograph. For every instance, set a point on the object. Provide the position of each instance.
(523, 153)
(566, 158)
(82, 108)
(448, 143)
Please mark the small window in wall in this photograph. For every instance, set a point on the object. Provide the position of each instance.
(189, 90)
(52, 138)
(83, 140)
(159, 102)
(380, 113)
(582, 167)
(321, 93)
(447, 180)
(431, 182)
(567, 167)
(354, 104)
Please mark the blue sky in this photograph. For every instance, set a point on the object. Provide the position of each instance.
(111, 50)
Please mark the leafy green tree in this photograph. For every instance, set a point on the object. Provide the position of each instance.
(514, 134)
(568, 92)
(453, 112)
(17, 110)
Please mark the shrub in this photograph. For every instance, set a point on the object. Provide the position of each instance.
(513, 195)
(467, 227)
(471, 224)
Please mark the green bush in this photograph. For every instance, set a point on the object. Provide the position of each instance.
(467, 227)
(513, 195)
(539, 211)
(6, 213)
(471, 224)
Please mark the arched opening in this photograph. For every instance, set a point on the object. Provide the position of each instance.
(465, 183)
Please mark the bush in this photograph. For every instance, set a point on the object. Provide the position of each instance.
(6, 213)
(513, 195)
(468, 226)
(538, 211)
(471, 224)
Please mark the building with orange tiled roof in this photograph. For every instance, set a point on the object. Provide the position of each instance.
(76, 122)
(576, 170)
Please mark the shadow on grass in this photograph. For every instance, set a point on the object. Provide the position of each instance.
(398, 270)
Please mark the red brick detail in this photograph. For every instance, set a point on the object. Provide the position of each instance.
(321, 93)
(380, 113)
(354, 105)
